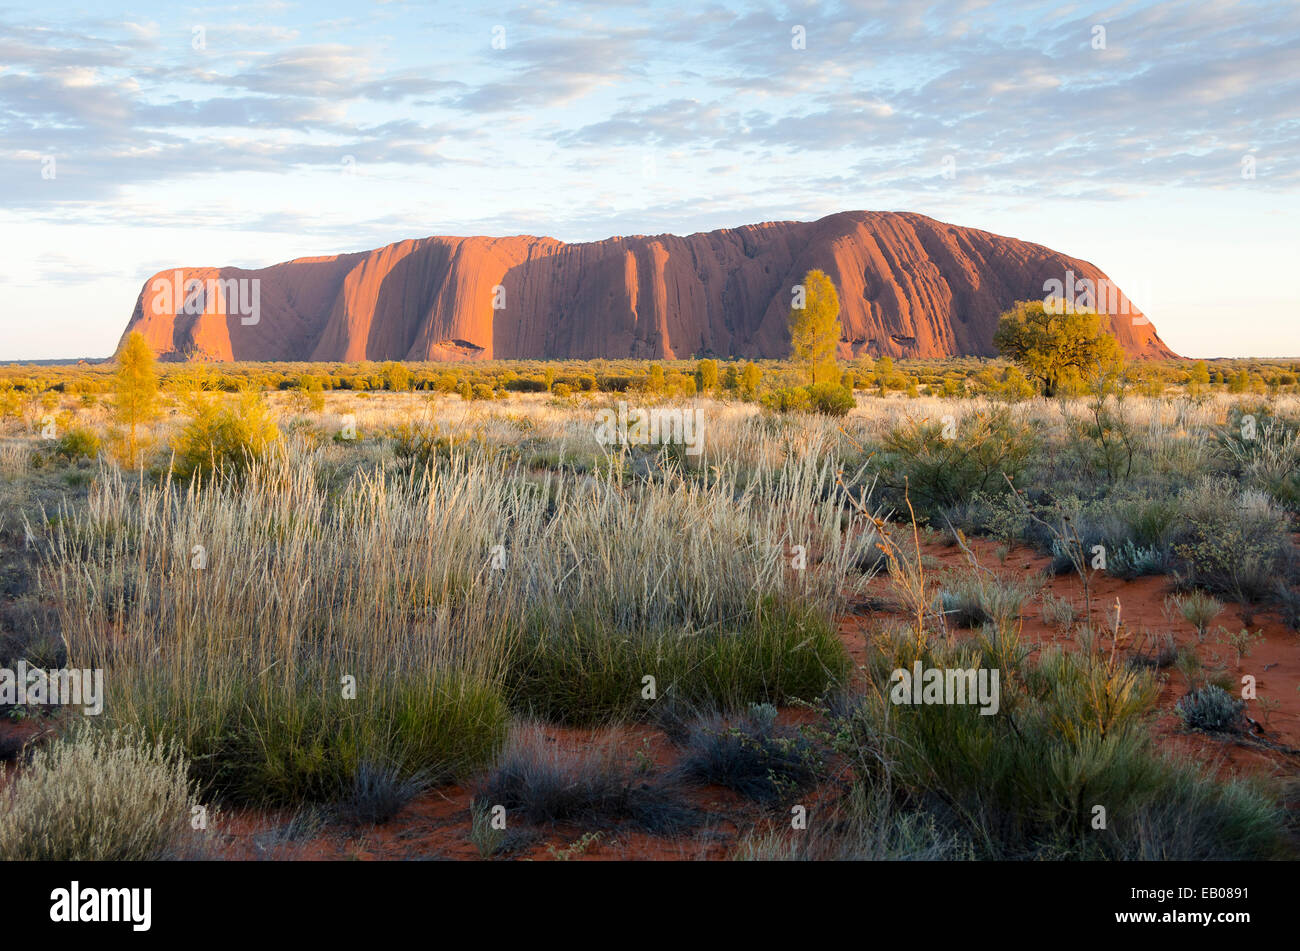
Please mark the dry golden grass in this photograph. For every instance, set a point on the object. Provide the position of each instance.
(98, 796)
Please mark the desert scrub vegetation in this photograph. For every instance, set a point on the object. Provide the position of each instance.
(542, 782)
(222, 437)
(865, 826)
(943, 462)
(752, 755)
(716, 591)
(1212, 709)
(1070, 734)
(293, 630)
(287, 638)
(96, 795)
(971, 598)
(343, 622)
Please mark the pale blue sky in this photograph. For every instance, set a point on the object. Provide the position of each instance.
(302, 129)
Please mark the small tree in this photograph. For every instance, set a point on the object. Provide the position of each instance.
(750, 378)
(1050, 346)
(706, 376)
(655, 379)
(135, 389)
(815, 327)
(310, 394)
(396, 376)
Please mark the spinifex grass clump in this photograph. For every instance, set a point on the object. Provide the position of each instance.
(971, 599)
(542, 781)
(587, 671)
(291, 737)
(288, 638)
(1211, 708)
(752, 755)
(297, 627)
(707, 593)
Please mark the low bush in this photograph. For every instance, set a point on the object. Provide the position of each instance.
(1069, 735)
(379, 792)
(1234, 545)
(972, 600)
(868, 827)
(78, 443)
(543, 782)
(790, 399)
(224, 438)
(831, 399)
(1212, 709)
(752, 756)
(99, 797)
(944, 464)
(420, 444)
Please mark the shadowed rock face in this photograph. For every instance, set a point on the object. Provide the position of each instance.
(909, 286)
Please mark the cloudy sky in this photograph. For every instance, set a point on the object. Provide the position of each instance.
(1161, 141)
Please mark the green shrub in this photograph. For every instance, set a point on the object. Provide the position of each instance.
(224, 438)
(789, 399)
(1211, 708)
(1235, 545)
(943, 464)
(419, 444)
(78, 443)
(831, 399)
(1069, 735)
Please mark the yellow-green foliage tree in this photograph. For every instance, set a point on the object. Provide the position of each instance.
(750, 379)
(706, 376)
(310, 393)
(396, 376)
(135, 390)
(1199, 377)
(224, 438)
(1053, 346)
(655, 379)
(815, 327)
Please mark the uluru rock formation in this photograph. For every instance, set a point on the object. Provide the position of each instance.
(909, 286)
